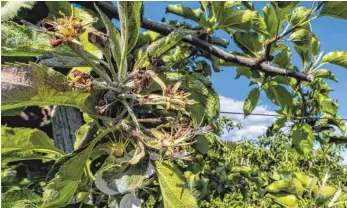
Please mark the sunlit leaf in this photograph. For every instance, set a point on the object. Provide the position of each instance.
(130, 201)
(173, 187)
(271, 20)
(324, 73)
(303, 138)
(243, 71)
(17, 40)
(10, 9)
(335, 9)
(282, 59)
(284, 199)
(258, 23)
(278, 94)
(183, 11)
(32, 84)
(118, 180)
(301, 37)
(114, 36)
(157, 48)
(251, 101)
(325, 193)
(232, 16)
(336, 57)
(282, 9)
(327, 119)
(24, 139)
(23, 198)
(130, 22)
(66, 175)
(249, 42)
(329, 106)
(298, 16)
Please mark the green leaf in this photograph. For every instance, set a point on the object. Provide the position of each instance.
(118, 180)
(55, 6)
(336, 57)
(22, 155)
(258, 24)
(325, 193)
(220, 41)
(23, 198)
(18, 40)
(305, 53)
(298, 16)
(130, 200)
(88, 46)
(32, 84)
(327, 119)
(61, 189)
(63, 62)
(315, 45)
(202, 144)
(303, 138)
(80, 133)
(243, 71)
(251, 101)
(185, 12)
(233, 16)
(271, 20)
(114, 36)
(328, 106)
(10, 9)
(338, 139)
(249, 5)
(283, 9)
(25, 139)
(335, 9)
(284, 199)
(217, 7)
(249, 42)
(324, 73)
(12, 112)
(301, 37)
(279, 123)
(282, 59)
(130, 22)
(278, 94)
(157, 48)
(173, 187)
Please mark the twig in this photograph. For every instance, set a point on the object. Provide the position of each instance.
(163, 29)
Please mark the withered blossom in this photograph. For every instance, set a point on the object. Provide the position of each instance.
(81, 80)
(65, 29)
(142, 80)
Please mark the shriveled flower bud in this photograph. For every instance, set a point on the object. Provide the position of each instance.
(142, 80)
(97, 38)
(81, 80)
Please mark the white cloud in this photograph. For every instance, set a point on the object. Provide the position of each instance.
(252, 126)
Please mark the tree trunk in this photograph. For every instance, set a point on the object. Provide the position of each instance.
(66, 121)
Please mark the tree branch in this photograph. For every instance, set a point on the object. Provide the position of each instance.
(112, 12)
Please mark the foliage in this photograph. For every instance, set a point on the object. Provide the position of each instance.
(150, 98)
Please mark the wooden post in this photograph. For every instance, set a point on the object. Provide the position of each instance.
(66, 121)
